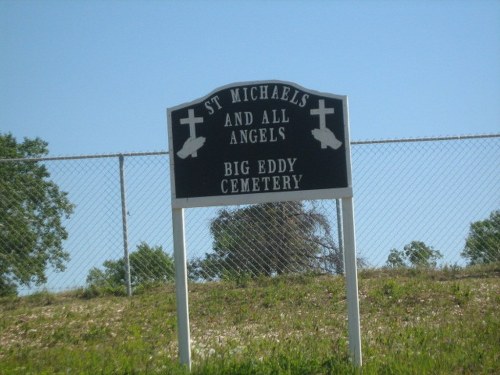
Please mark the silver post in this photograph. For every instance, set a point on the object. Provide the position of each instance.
(181, 287)
(351, 276)
(340, 232)
(125, 232)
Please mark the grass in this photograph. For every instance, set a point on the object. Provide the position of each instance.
(413, 322)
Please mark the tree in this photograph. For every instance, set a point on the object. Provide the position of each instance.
(396, 259)
(415, 254)
(483, 243)
(32, 209)
(269, 239)
(147, 264)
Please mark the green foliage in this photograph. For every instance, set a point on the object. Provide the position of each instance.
(483, 243)
(415, 254)
(31, 212)
(396, 259)
(421, 255)
(147, 265)
(268, 239)
(461, 294)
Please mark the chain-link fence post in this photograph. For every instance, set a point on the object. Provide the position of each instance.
(125, 231)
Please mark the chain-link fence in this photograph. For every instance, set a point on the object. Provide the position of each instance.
(418, 203)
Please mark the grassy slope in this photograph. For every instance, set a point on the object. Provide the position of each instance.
(412, 322)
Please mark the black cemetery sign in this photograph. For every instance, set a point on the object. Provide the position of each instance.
(256, 142)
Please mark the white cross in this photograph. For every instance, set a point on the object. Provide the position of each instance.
(192, 121)
(322, 112)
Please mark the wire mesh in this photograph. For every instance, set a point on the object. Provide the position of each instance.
(424, 203)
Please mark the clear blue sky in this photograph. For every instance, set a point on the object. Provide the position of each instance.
(97, 76)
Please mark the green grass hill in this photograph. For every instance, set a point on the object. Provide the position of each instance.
(412, 322)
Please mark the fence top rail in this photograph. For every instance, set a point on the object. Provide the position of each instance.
(427, 139)
(159, 153)
(97, 156)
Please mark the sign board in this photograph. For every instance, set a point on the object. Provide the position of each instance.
(256, 142)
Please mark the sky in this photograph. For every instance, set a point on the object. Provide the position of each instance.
(97, 77)
(93, 77)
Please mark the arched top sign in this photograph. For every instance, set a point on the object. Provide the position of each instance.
(262, 141)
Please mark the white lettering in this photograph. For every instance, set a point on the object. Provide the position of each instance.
(209, 107)
(245, 185)
(270, 166)
(276, 182)
(266, 183)
(235, 95)
(272, 136)
(233, 141)
(265, 118)
(236, 168)
(234, 185)
(284, 119)
(258, 184)
(228, 121)
(261, 168)
(255, 184)
(215, 100)
(281, 165)
(260, 135)
(254, 93)
(303, 101)
(263, 92)
(263, 135)
(296, 180)
(228, 170)
(284, 94)
(253, 90)
(248, 118)
(294, 98)
(240, 119)
(281, 132)
(286, 183)
(275, 94)
(253, 136)
(223, 186)
(280, 120)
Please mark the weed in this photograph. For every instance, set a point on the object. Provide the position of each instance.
(461, 293)
(41, 298)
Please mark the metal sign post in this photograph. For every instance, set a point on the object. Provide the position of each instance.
(181, 287)
(257, 142)
(350, 270)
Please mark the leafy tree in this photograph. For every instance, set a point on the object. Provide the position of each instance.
(31, 212)
(483, 243)
(269, 239)
(415, 254)
(421, 255)
(396, 259)
(147, 264)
